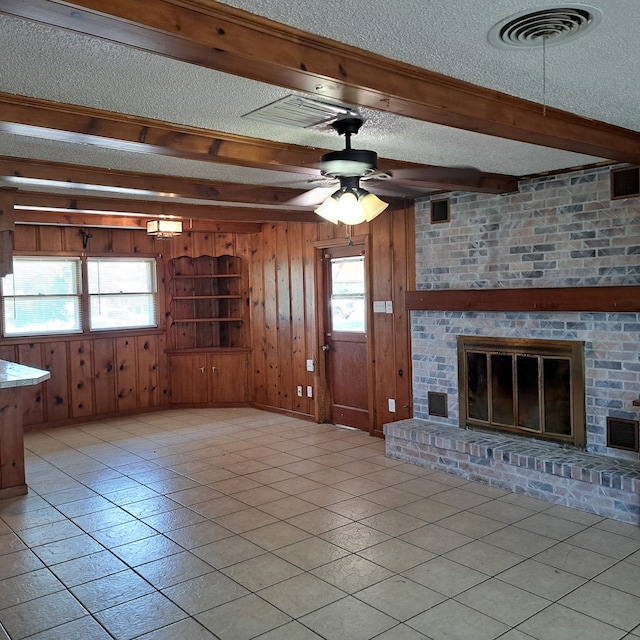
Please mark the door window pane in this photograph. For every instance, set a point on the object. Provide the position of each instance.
(348, 308)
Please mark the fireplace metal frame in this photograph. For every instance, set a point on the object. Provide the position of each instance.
(571, 350)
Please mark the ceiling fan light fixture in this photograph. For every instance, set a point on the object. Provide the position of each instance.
(351, 204)
(163, 229)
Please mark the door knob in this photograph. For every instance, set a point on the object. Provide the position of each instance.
(325, 347)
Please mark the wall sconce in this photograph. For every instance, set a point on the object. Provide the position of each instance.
(163, 229)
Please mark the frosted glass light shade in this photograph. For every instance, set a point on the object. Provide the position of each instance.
(164, 228)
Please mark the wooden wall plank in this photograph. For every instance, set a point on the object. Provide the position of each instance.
(271, 379)
(8, 352)
(143, 243)
(81, 378)
(283, 303)
(56, 389)
(380, 337)
(25, 238)
(146, 351)
(30, 354)
(126, 374)
(51, 239)
(297, 330)
(258, 320)
(104, 367)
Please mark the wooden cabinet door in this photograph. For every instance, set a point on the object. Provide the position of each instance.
(229, 377)
(189, 379)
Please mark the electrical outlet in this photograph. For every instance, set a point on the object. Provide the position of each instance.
(299, 391)
(309, 391)
(392, 405)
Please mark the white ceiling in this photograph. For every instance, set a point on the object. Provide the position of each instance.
(597, 76)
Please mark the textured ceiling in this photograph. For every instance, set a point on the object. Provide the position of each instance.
(595, 76)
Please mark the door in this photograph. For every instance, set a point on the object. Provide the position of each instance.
(345, 340)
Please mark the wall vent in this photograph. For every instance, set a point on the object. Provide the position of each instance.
(440, 210)
(622, 434)
(625, 183)
(437, 404)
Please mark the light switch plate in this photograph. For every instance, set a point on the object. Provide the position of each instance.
(310, 365)
(388, 306)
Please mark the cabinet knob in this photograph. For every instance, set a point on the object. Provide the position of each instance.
(213, 369)
(202, 369)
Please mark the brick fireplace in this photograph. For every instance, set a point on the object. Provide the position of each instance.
(558, 232)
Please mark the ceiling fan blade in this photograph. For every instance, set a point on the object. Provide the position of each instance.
(312, 197)
(454, 178)
(397, 189)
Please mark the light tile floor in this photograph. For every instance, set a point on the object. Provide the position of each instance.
(238, 524)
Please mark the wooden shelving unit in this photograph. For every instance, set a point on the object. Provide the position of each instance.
(208, 305)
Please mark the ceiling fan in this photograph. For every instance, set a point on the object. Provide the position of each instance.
(350, 167)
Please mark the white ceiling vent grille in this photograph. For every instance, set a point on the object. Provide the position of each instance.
(300, 112)
(549, 26)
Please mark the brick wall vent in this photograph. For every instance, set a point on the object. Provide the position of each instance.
(622, 434)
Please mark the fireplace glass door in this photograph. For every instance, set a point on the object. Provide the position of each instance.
(534, 386)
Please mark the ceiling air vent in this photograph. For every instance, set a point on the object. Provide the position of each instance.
(300, 112)
(549, 26)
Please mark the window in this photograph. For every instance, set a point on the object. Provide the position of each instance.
(348, 294)
(42, 296)
(45, 295)
(122, 293)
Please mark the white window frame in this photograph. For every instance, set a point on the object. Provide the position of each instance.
(113, 304)
(39, 296)
(133, 303)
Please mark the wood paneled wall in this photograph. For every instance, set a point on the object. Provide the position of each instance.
(96, 375)
(99, 375)
(284, 320)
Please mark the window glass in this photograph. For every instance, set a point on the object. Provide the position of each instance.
(348, 310)
(122, 293)
(42, 296)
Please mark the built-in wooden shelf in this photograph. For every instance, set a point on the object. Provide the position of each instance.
(208, 306)
(636, 403)
(614, 299)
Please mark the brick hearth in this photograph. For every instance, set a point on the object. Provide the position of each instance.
(599, 484)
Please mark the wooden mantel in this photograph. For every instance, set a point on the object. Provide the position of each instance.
(614, 299)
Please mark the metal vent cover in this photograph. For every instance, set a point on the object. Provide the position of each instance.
(549, 26)
(299, 112)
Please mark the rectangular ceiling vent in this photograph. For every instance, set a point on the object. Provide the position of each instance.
(299, 112)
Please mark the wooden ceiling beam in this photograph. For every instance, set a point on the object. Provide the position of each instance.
(91, 220)
(41, 172)
(78, 124)
(62, 204)
(214, 35)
